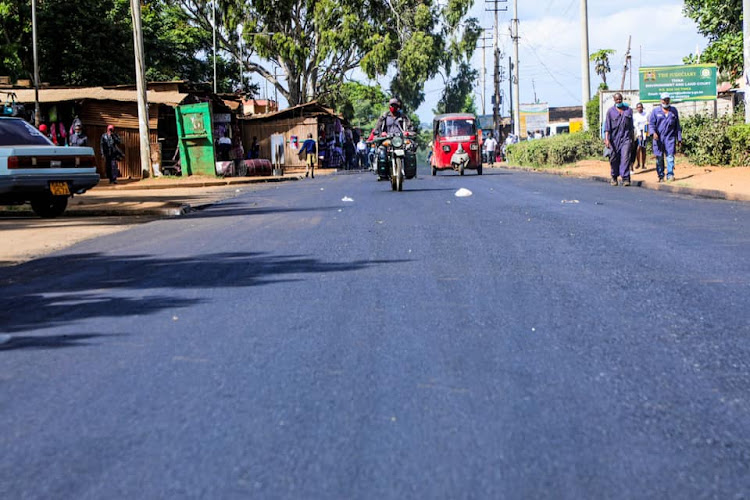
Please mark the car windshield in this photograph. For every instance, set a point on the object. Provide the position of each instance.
(16, 132)
(457, 128)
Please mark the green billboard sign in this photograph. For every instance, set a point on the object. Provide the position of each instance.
(695, 82)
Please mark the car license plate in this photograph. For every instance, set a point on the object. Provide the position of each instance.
(59, 188)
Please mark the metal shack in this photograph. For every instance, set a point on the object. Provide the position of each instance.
(98, 107)
(295, 123)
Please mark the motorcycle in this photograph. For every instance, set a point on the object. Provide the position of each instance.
(396, 160)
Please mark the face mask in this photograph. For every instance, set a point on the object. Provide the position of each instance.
(394, 110)
(620, 105)
(665, 106)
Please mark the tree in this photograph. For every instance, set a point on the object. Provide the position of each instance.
(360, 104)
(90, 42)
(318, 43)
(721, 22)
(600, 59)
(457, 96)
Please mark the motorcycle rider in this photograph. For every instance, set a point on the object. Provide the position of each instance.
(392, 122)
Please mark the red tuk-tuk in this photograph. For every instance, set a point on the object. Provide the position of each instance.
(455, 143)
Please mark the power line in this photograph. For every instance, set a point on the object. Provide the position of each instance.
(549, 72)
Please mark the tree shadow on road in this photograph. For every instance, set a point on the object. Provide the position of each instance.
(28, 342)
(65, 289)
(236, 209)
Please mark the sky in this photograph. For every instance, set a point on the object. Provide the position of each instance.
(550, 46)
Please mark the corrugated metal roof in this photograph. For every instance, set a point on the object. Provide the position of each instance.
(51, 95)
(312, 107)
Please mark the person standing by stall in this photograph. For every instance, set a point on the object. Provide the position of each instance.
(110, 149)
(78, 137)
(311, 152)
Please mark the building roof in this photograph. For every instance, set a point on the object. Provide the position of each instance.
(565, 113)
(60, 94)
(313, 108)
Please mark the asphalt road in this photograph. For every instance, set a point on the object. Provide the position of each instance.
(545, 337)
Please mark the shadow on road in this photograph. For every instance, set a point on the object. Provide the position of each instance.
(237, 209)
(65, 289)
(49, 341)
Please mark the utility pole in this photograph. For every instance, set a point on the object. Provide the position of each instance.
(213, 22)
(626, 65)
(140, 80)
(533, 87)
(37, 111)
(585, 76)
(496, 49)
(483, 76)
(510, 87)
(516, 85)
(746, 43)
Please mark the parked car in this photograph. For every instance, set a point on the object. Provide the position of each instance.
(34, 170)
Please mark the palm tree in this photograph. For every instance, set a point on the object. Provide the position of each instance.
(601, 60)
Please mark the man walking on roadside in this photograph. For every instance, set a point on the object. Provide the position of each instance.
(490, 148)
(664, 124)
(311, 151)
(618, 136)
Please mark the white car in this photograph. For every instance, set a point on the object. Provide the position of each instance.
(34, 170)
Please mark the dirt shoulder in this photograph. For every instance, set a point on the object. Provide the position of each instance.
(731, 183)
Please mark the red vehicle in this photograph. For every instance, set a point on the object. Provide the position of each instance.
(455, 143)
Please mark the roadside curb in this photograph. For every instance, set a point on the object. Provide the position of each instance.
(715, 194)
(198, 184)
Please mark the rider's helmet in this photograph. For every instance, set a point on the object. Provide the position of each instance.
(394, 104)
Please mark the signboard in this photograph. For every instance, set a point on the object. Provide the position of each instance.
(695, 82)
(533, 117)
(576, 125)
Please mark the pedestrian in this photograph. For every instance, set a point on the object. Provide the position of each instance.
(45, 132)
(110, 149)
(664, 125)
(362, 152)
(224, 146)
(311, 154)
(349, 152)
(490, 147)
(78, 137)
(618, 137)
(254, 151)
(640, 123)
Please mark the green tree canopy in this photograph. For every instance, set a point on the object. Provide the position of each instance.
(316, 44)
(90, 42)
(721, 22)
(360, 104)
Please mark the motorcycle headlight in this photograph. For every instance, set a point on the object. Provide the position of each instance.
(397, 141)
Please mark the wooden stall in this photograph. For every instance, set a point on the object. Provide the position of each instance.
(294, 124)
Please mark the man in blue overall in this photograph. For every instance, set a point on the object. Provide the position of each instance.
(618, 135)
(664, 124)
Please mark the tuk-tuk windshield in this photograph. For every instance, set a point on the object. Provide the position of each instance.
(457, 128)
